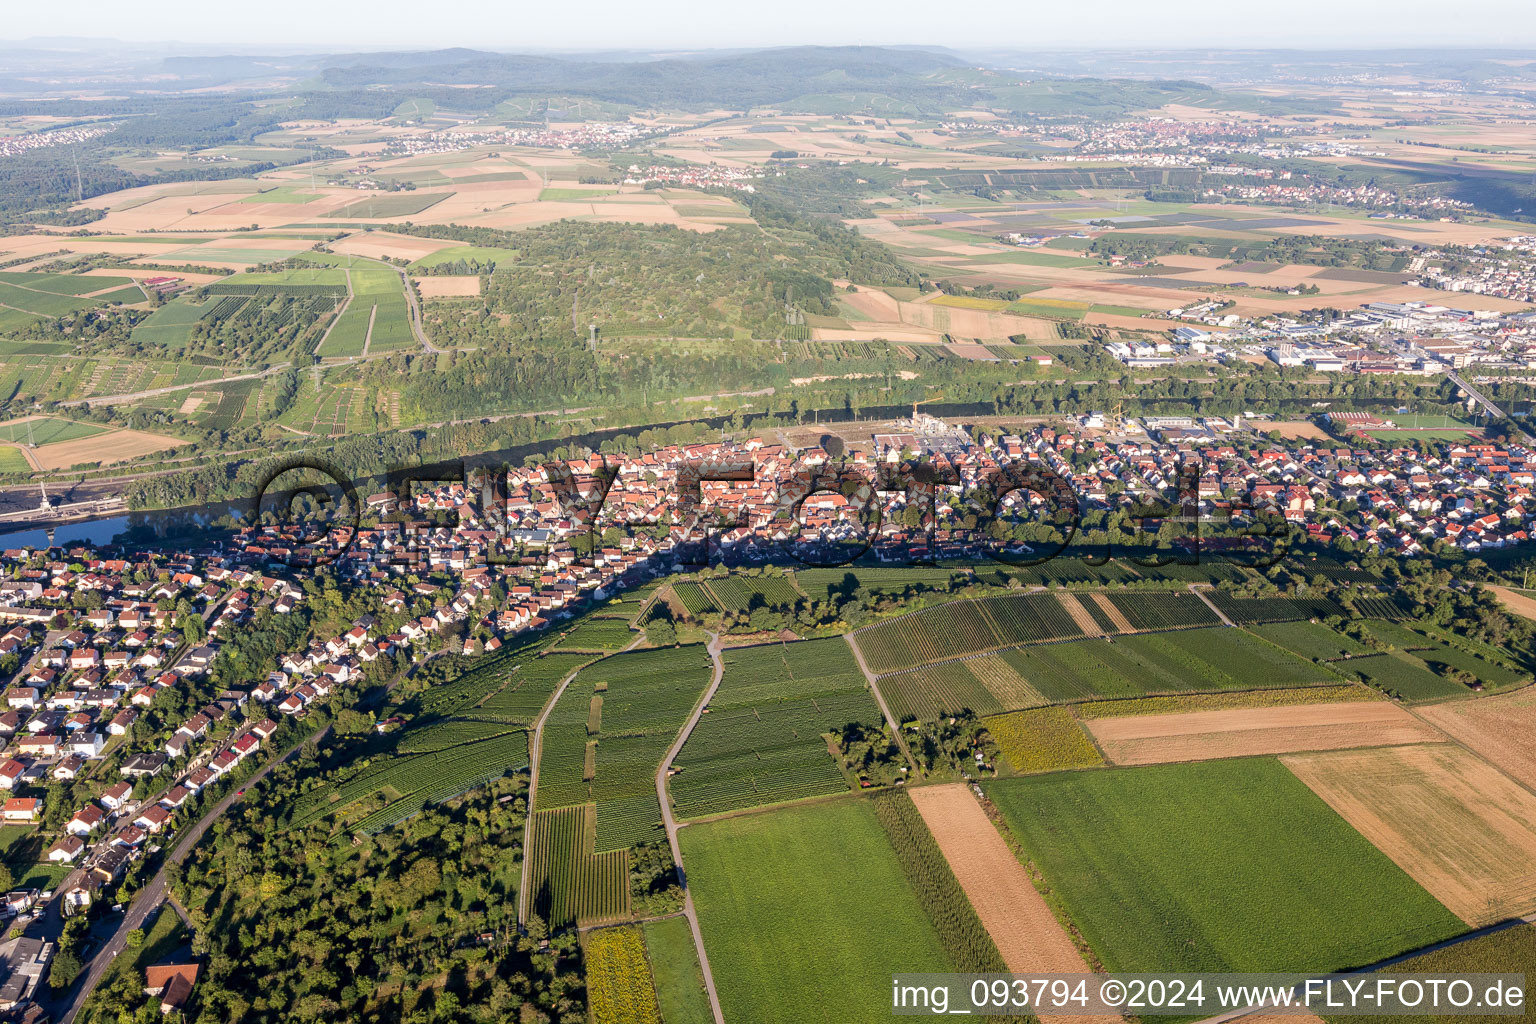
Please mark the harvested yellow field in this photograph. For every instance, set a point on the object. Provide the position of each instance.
(1025, 931)
(448, 287)
(1245, 732)
(1514, 600)
(1457, 825)
(1502, 729)
(110, 447)
(381, 245)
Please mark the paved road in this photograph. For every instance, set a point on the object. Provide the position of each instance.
(670, 823)
(153, 894)
(1481, 399)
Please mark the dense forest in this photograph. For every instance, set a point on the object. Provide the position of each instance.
(417, 923)
(635, 280)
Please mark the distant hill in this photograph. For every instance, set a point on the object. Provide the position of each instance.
(761, 78)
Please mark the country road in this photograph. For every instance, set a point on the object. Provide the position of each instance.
(154, 893)
(670, 823)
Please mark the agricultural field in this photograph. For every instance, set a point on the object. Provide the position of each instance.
(568, 883)
(1403, 674)
(1185, 703)
(380, 793)
(675, 970)
(938, 891)
(738, 593)
(820, 584)
(962, 628)
(1022, 927)
(45, 430)
(486, 256)
(597, 634)
(1453, 657)
(376, 318)
(619, 985)
(1089, 669)
(760, 740)
(1464, 830)
(1216, 866)
(785, 900)
(40, 296)
(1508, 951)
(1246, 611)
(1043, 740)
(389, 205)
(606, 736)
(1245, 732)
(1497, 728)
(1311, 640)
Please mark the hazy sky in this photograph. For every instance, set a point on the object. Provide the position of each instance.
(649, 24)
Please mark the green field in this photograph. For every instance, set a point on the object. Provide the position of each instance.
(46, 430)
(476, 253)
(171, 324)
(1220, 866)
(282, 194)
(762, 740)
(1310, 640)
(675, 970)
(215, 253)
(390, 204)
(12, 461)
(1056, 309)
(377, 298)
(608, 752)
(574, 195)
(806, 914)
(26, 296)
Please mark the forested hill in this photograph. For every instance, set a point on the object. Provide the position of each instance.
(739, 80)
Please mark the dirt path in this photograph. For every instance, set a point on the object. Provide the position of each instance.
(1200, 593)
(670, 823)
(1107, 606)
(373, 315)
(339, 313)
(1080, 615)
(1014, 913)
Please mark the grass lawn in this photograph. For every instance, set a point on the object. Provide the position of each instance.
(806, 914)
(1221, 866)
(675, 969)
